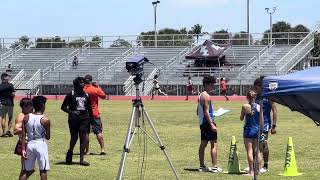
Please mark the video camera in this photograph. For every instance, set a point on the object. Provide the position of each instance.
(135, 64)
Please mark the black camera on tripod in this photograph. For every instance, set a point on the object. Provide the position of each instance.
(135, 64)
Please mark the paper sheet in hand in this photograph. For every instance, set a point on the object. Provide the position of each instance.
(220, 112)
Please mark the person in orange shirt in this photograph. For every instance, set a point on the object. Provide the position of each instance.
(95, 92)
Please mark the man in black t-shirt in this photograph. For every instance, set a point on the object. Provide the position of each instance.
(78, 106)
(6, 104)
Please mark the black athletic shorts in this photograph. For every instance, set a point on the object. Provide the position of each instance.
(207, 134)
(79, 123)
(96, 125)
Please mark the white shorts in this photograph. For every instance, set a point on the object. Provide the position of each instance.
(37, 149)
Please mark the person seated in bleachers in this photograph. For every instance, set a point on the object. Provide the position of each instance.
(9, 68)
(75, 62)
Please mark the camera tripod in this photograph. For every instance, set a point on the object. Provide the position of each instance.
(138, 111)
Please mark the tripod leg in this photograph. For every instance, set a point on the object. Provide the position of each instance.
(160, 142)
(127, 142)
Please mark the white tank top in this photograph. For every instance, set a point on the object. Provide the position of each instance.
(35, 130)
(200, 112)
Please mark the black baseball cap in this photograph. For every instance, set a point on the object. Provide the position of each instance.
(88, 77)
(5, 75)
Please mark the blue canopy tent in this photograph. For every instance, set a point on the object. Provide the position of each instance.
(300, 91)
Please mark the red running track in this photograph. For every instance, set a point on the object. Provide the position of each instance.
(157, 98)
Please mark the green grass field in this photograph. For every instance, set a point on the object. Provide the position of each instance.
(178, 128)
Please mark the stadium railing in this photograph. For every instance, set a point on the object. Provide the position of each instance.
(163, 39)
(285, 63)
(11, 53)
(17, 81)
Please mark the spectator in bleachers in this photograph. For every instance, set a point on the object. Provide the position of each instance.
(9, 69)
(75, 62)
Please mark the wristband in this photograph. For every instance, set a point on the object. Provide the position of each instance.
(274, 126)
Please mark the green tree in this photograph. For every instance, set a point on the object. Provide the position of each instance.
(315, 52)
(197, 30)
(300, 31)
(120, 43)
(78, 43)
(279, 34)
(221, 37)
(95, 41)
(55, 42)
(166, 37)
(24, 40)
(241, 38)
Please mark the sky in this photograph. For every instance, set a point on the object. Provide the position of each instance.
(36, 18)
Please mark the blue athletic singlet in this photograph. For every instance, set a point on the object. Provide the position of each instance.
(251, 125)
(201, 117)
(266, 113)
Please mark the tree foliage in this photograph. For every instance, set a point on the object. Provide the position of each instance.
(280, 36)
(95, 41)
(241, 38)
(55, 42)
(298, 35)
(221, 37)
(78, 43)
(120, 43)
(165, 37)
(24, 40)
(197, 30)
(315, 52)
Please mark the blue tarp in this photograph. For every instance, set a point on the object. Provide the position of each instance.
(300, 91)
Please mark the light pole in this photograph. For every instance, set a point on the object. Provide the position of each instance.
(270, 12)
(248, 21)
(155, 4)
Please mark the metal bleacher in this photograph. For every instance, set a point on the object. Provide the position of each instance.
(53, 66)
(89, 63)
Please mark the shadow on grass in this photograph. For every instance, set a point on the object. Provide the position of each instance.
(197, 170)
(68, 164)
(91, 154)
(191, 169)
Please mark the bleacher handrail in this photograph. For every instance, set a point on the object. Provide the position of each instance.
(85, 48)
(128, 84)
(6, 55)
(293, 50)
(260, 53)
(124, 55)
(46, 71)
(18, 48)
(16, 81)
(11, 53)
(181, 54)
(34, 81)
(101, 71)
(148, 84)
(59, 63)
(296, 53)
